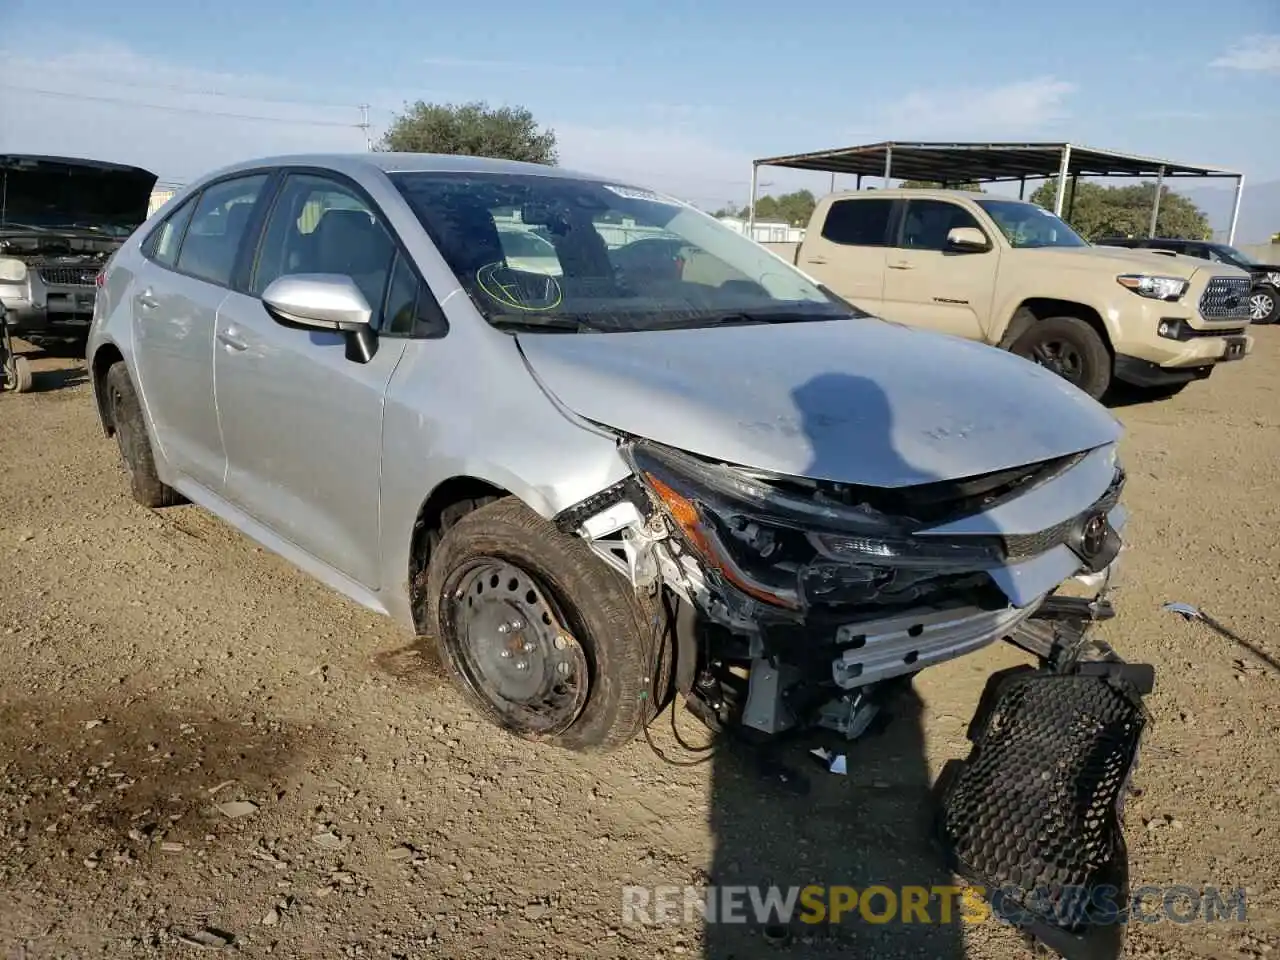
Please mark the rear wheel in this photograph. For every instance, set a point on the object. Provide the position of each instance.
(548, 641)
(1264, 305)
(135, 446)
(1072, 349)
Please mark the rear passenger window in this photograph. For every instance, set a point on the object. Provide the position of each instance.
(217, 228)
(162, 245)
(858, 223)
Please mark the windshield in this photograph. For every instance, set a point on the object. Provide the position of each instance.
(1027, 225)
(560, 253)
(1239, 256)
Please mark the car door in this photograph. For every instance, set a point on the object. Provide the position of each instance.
(847, 254)
(175, 300)
(928, 284)
(302, 424)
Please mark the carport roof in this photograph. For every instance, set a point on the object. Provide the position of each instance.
(944, 162)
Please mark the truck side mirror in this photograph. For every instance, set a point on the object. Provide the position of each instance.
(967, 240)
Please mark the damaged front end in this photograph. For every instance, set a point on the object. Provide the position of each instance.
(804, 603)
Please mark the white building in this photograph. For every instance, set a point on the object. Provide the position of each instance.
(766, 231)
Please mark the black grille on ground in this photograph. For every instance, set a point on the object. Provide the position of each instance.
(1225, 298)
(1034, 814)
(69, 276)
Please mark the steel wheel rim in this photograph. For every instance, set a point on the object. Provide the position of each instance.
(508, 640)
(1059, 357)
(1260, 306)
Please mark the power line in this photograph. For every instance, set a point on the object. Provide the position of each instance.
(177, 88)
(171, 109)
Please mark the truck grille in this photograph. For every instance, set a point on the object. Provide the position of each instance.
(69, 276)
(1225, 298)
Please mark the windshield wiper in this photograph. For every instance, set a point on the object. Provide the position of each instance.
(536, 323)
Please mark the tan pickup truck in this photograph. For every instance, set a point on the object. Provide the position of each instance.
(1013, 275)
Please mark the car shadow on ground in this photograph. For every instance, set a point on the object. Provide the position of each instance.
(868, 828)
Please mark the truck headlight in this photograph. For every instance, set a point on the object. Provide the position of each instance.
(1152, 287)
(12, 271)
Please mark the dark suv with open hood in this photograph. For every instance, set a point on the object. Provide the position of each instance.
(60, 220)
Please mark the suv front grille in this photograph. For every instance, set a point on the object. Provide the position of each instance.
(69, 276)
(1225, 298)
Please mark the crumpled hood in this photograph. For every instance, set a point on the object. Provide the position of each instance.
(60, 191)
(855, 401)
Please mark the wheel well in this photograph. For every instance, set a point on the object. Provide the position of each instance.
(452, 499)
(1041, 308)
(107, 356)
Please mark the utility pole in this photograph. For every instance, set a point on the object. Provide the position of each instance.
(364, 125)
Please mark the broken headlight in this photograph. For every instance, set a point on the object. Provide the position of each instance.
(787, 547)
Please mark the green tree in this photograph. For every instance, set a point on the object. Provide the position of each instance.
(791, 208)
(1100, 211)
(935, 185)
(470, 129)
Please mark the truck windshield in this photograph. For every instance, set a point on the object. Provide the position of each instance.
(578, 255)
(1239, 256)
(1027, 225)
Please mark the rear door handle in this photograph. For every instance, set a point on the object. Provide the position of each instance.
(147, 300)
(818, 260)
(902, 265)
(228, 338)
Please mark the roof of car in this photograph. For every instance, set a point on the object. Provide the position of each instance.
(921, 193)
(410, 163)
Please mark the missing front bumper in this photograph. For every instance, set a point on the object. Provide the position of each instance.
(1034, 814)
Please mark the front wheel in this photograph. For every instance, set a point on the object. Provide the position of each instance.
(547, 640)
(19, 375)
(1264, 305)
(1072, 349)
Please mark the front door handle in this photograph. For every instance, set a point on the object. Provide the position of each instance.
(147, 300)
(228, 338)
(902, 265)
(817, 260)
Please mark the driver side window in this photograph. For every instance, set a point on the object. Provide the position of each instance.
(318, 225)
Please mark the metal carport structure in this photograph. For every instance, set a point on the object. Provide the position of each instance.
(956, 163)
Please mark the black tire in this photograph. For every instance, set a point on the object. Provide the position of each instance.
(1071, 348)
(135, 446)
(597, 607)
(1264, 305)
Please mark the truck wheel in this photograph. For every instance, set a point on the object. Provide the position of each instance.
(1072, 349)
(547, 640)
(135, 447)
(1264, 305)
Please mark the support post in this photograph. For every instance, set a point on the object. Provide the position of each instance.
(833, 183)
(859, 181)
(1155, 206)
(1022, 189)
(1062, 178)
(1071, 204)
(888, 165)
(751, 210)
(1235, 210)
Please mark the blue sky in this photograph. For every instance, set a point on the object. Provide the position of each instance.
(678, 97)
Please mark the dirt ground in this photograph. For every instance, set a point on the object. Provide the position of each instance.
(157, 668)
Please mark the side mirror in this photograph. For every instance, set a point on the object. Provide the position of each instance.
(967, 240)
(324, 301)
